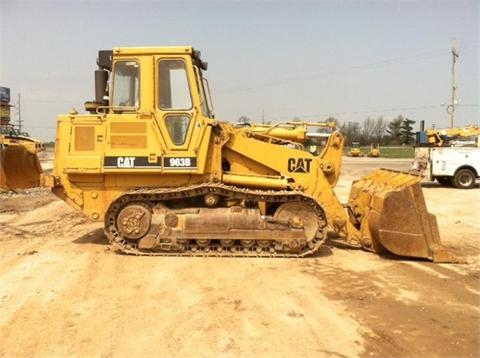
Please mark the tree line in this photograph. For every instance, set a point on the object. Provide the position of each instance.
(397, 131)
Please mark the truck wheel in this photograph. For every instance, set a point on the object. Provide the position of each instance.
(445, 181)
(464, 179)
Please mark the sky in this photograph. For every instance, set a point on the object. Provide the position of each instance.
(275, 60)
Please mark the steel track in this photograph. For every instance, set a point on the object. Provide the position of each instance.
(158, 195)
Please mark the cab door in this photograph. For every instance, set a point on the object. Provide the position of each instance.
(131, 145)
(178, 115)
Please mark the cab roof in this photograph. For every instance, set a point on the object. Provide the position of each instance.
(176, 50)
(164, 50)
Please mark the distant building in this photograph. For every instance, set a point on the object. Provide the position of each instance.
(5, 105)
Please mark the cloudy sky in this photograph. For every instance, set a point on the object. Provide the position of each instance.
(287, 59)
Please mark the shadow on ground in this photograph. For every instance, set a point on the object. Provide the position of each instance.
(94, 237)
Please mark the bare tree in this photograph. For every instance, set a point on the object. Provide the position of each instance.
(379, 130)
(332, 120)
(352, 131)
(368, 130)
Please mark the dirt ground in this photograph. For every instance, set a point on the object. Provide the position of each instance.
(64, 292)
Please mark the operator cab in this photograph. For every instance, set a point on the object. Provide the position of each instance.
(122, 93)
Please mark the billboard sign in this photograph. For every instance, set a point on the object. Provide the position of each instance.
(4, 94)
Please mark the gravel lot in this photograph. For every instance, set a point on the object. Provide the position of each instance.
(64, 292)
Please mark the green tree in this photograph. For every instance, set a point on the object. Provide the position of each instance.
(394, 130)
(406, 131)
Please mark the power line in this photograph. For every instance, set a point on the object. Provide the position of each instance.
(418, 56)
(395, 109)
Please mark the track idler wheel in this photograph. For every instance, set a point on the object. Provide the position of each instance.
(133, 221)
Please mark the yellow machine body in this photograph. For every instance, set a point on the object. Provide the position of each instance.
(11, 137)
(166, 177)
(30, 144)
(443, 137)
(19, 164)
(355, 150)
(374, 151)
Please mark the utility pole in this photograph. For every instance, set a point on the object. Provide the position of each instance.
(19, 109)
(454, 87)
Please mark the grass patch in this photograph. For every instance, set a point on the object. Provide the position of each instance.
(391, 152)
(397, 152)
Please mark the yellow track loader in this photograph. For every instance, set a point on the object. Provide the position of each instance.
(374, 151)
(355, 150)
(167, 178)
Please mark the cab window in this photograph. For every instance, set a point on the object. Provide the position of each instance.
(177, 126)
(126, 84)
(204, 107)
(173, 89)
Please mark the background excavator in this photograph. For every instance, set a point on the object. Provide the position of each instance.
(462, 136)
(167, 178)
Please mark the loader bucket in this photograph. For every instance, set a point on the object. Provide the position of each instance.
(389, 209)
(19, 168)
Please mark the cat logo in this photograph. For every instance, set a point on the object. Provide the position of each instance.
(126, 162)
(299, 165)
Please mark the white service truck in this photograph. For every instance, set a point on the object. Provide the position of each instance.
(458, 166)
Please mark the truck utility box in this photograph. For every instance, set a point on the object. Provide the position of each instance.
(457, 166)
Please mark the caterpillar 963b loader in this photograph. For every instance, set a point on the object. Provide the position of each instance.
(168, 178)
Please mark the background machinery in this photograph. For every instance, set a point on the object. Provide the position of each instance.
(167, 178)
(463, 136)
(374, 151)
(13, 138)
(449, 156)
(355, 150)
(19, 164)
